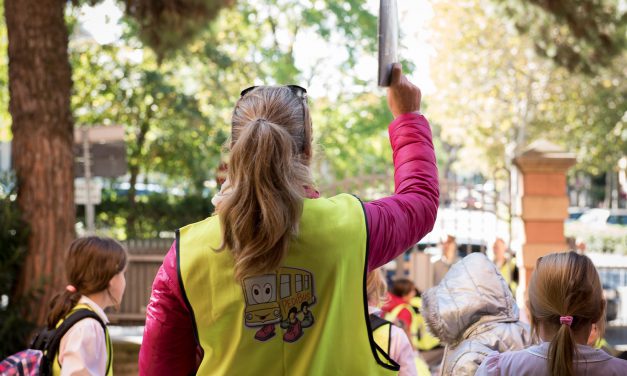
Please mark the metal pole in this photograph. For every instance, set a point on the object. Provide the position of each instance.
(89, 206)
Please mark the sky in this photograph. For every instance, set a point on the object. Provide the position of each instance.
(101, 22)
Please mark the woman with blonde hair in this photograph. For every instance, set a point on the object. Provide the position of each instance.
(270, 283)
(565, 301)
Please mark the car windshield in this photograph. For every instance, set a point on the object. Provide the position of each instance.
(616, 219)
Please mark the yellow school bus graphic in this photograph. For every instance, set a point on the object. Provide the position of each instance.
(283, 297)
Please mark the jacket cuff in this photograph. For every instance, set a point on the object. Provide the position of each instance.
(406, 117)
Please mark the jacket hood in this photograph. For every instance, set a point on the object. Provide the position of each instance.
(472, 292)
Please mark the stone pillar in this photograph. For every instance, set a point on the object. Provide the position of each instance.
(543, 204)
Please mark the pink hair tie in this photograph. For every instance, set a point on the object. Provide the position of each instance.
(70, 288)
(566, 320)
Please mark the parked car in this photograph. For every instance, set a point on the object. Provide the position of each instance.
(574, 213)
(612, 302)
(603, 217)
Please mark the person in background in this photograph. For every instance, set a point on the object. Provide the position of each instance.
(427, 344)
(95, 269)
(565, 301)
(472, 311)
(270, 283)
(389, 337)
(399, 310)
(505, 264)
(598, 342)
(449, 257)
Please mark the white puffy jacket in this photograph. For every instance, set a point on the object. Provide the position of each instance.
(473, 312)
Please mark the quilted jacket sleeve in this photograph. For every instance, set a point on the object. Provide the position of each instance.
(397, 222)
(169, 345)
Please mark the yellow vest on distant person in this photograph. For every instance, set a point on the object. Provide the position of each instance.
(56, 367)
(425, 340)
(414, 325)
(383, 338)
(421, 339)
(507, 271)
(309, 317)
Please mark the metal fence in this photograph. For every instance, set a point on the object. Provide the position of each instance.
(145, 258)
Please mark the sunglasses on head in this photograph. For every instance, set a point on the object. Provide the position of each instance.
(298, 91)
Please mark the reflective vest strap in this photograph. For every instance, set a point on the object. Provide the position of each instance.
(56, 365)
(393, 314)
(415, 320)
(107, 338)
(382, 336)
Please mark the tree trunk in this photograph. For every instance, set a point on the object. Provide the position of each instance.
(39, 85)
(607, 200)
(134, 165)
(132, 202)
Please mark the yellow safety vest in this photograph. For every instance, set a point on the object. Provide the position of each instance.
(507, 271)
(413, 326)
(425, 340)
(382, 333)
(383, 336)
(309, 317)
(56, 366)
(602, 344)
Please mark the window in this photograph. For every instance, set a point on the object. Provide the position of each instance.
(299, 283)
(285, 285)
(617, 219)
(306, 282)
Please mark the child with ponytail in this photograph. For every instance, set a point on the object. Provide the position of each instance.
(95, 271)
(565, 301)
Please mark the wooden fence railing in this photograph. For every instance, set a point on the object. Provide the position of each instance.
(145, 258)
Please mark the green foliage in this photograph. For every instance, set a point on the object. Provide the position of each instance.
(166, 131)
(168, 25)
(250, 44)
(14, 329)
(352, 136)
(584, 35)
(159, 212)
(495, 95)
(5, 117)
(609, 240)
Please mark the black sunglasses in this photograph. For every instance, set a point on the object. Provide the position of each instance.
(298, 91)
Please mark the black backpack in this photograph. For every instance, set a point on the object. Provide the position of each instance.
(39, 358)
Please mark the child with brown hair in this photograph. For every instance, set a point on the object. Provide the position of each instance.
(389, 337)
(565, 301)
(95, 269)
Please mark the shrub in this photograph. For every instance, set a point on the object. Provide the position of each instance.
(14, 329)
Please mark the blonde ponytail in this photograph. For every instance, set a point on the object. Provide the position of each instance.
(268, 173)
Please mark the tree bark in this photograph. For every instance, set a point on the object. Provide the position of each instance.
(134, 164)
(39, 85)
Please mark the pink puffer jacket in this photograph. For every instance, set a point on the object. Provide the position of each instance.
(395, 223)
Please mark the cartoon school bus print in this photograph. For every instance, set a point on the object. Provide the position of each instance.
(284, 298)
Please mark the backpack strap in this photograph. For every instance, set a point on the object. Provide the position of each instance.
(376, 322)
(382, 339)
(75, 316)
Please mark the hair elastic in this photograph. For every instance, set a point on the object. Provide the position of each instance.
(566, 320)
(70, 288)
